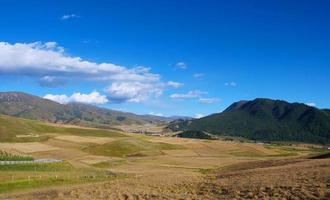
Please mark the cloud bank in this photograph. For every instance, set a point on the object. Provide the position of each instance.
(49, 63)
(92, 98)
(49, 59)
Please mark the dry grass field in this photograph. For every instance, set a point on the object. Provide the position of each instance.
(134, 166)
(27, 148)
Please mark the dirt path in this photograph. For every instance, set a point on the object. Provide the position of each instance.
(280, 179)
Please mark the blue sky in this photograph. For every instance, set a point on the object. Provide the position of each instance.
(167, 57)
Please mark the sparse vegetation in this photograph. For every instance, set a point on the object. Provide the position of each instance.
(5, 156)
(109, 164)
(38, 167)
(131, 147)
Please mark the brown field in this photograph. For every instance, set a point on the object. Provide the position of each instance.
(86, 139)
(175, 168)
(27, 148)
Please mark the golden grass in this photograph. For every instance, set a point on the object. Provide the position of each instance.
(30, 147)
(86, 139)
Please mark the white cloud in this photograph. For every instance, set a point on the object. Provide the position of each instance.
(156, 114)
(49, 59)
(49, 63)
(190, 95)
(231, 84)
(133, 91)
(69, 16)
(198, 75)
(311, 104)
(92, 98)
(197, 116)
(209, 100)
(174, 84)
(181, 65)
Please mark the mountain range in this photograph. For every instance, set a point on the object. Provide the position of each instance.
(264, 119)
(259, 119)
(28, 106)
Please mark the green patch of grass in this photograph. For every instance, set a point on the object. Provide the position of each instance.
(205, 170)
(41, 180)
(35, 183)
(131, 147)
(5, 156)
(284, 154)
(38, 167)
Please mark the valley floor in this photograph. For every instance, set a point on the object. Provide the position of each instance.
(103, 164)
(279, 179)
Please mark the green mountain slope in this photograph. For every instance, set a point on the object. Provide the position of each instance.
(265, 119)
(14, 129)
(32, 107)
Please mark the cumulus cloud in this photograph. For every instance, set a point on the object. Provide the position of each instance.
(181, 65)
(174, 84)
(197, 116)
(311, 104)
(132, 91)
(69, 16)
(49, 59)
(49, 63)
(209, 100)
(92, 98)
(190, 95)
(231, 84)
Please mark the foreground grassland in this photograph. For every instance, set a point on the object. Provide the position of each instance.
(28, 176)
(108, 164)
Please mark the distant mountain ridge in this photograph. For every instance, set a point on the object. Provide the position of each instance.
(28, 106)
(265, 119)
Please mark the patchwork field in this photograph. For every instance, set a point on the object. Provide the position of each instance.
(107, 164)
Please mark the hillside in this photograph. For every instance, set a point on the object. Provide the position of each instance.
(14, 129)
(265, 119)
(32, 107)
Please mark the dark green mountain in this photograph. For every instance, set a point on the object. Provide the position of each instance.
(32, 107)
(327, 111)
(265, 119)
